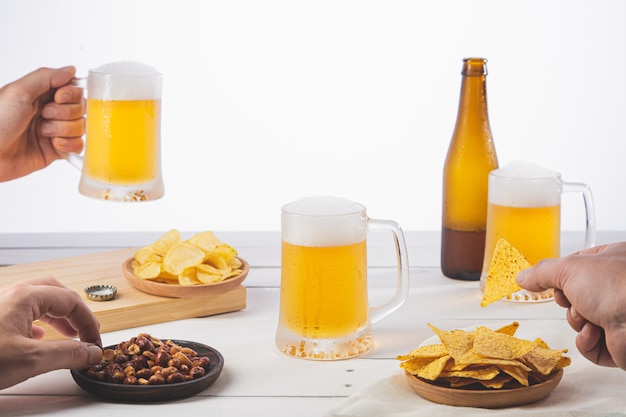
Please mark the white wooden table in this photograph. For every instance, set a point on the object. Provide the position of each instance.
(259, 380)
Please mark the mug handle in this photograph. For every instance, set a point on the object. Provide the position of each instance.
(74, 159)
(402, 289)
(590, 212)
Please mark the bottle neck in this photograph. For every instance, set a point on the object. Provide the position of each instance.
(473, 113)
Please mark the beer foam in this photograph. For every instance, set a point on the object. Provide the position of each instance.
(124, 80)
(323, 221)
(525, 184)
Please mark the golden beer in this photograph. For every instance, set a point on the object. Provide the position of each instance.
(534, 231)
(123, 141)
(324, 308)
(324, 290)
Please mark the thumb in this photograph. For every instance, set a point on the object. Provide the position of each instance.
(42, 80)
(65, 354)
(540, 277)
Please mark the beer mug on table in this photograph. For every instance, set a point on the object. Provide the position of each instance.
(525, 209)
(122, 159)
(324, 309)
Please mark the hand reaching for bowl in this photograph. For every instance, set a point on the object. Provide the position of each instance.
(591, 284)
(24, 354)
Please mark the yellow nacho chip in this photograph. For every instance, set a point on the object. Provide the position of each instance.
(457, 342)
(426, 368)
(509, 329)
(499, 345)
(543, 360)
(497, 382)
(426, 352)
(479, 373)
(506, 263)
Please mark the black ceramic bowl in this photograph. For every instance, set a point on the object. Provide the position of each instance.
(155, 393)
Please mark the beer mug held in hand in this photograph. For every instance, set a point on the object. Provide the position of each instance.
(122, 160)
(324, 312)
(525, 209)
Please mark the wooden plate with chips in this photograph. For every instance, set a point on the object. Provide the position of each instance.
(183, 291)
(483, 368)
(484, 398)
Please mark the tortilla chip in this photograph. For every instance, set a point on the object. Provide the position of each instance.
(457, 342)
(506, 263)
(509, 329)
(499, 345)
(543, 360)
(426, 368)
(476, 373)
(428, 351)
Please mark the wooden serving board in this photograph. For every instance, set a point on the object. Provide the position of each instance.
(131, 307)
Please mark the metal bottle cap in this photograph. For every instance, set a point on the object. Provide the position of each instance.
(101, 292)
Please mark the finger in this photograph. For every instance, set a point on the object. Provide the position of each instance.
(54, 302)
(561, 299)
(69, 94)
(62, 354)
(575, 320)
(56, 111)
(37, 332)
(60, 324)
(67, 145)
(592, 345)
(546, 274)
(62, 128)
(38, 82)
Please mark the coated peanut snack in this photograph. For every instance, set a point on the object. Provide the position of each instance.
(146, 360)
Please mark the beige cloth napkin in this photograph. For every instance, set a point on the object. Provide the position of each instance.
(585, 390)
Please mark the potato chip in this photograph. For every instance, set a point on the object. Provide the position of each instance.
(506, 263)
(235, 263)
(147, 270)
(216, 261)
(225, 251)
(165, 242)
(208, 274)
(147, 254)
(188, 277)
(182, 256)
(205, 241)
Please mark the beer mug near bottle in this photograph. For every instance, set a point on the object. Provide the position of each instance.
(525, 209)
(122, 159)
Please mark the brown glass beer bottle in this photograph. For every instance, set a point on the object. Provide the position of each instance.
(471, 156)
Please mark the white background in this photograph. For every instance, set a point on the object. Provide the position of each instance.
(266, 101)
